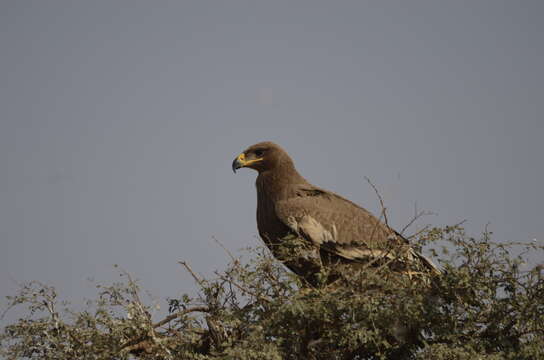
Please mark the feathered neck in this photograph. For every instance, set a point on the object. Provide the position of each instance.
(280, 181)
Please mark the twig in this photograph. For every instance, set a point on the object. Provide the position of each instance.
(135, 295)
(425, 228)
(188, 268)
(224, 248)
(178, 314)
(247, 291)
(416, 216)
(384, 209)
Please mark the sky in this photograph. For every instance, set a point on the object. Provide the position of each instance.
(119, 121)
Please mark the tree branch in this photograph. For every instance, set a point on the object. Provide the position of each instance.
(179, 314)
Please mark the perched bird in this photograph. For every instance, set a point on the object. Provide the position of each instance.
(308, 228)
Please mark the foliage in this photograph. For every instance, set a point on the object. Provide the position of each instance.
(488, 304)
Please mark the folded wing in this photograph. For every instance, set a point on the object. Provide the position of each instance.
(347, 231)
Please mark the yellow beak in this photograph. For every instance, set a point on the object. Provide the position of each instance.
(241, 162)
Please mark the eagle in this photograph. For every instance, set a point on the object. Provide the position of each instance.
(309, 228)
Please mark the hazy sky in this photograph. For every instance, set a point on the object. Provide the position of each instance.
(119, 121)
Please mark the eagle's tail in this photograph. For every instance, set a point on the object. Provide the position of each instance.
(428, 263)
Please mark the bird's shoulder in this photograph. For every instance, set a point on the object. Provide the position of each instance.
(314, 201)
(321, 211)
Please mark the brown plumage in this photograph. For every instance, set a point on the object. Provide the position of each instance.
(307, 227)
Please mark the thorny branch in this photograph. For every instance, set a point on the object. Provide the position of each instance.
(179, 314)
(188, 268)
(384, 209)
(417, 215)
(244, 289)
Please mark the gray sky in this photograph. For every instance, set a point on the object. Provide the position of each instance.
(120, 119)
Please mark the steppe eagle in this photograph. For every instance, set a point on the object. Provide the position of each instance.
(307, 227)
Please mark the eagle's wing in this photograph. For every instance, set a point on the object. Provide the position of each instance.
(340, 227)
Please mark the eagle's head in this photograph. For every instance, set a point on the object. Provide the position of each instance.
(262, 157)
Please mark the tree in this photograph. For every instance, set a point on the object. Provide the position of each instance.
(488, 304)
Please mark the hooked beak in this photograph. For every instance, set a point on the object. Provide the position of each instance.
(238, 162)
(241, 162)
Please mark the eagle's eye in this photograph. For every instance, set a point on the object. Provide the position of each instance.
(259, 153)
